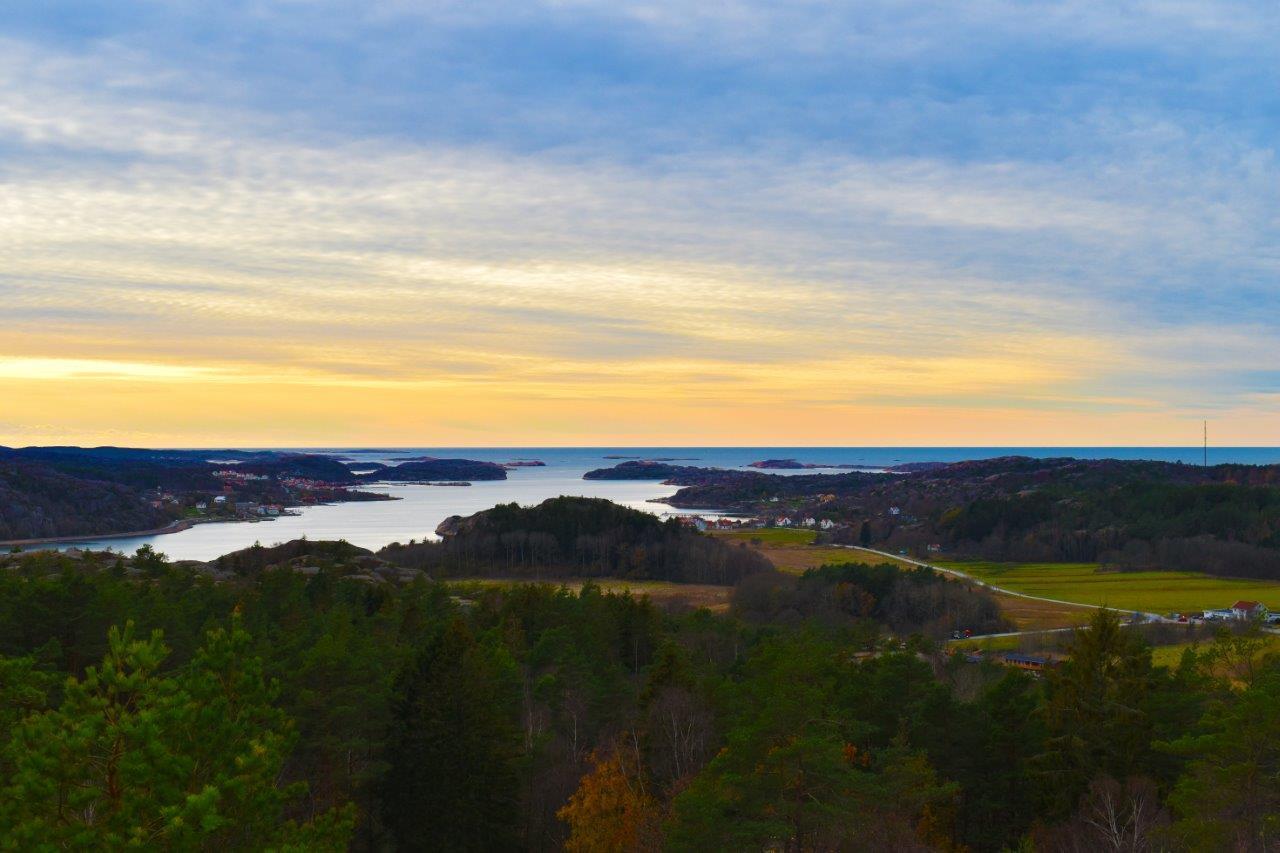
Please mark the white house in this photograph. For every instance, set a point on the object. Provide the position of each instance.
(783, 521)
(1248, 610)
(826, 524)
(810, 522)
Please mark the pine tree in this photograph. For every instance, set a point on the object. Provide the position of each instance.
(1229, 798)
(134, 757)
(1097, 711)
(452, 782)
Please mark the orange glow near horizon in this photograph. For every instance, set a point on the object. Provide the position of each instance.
(214, 410)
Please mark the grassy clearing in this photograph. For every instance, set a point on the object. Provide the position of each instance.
(790, 553)
(1158, 592)
(1028, 615)
(1171, 655)
(662, 593)
(799, 560)
(988, 644)
(770, 535)
(790, 556)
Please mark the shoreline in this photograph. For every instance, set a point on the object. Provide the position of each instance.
(174, 527)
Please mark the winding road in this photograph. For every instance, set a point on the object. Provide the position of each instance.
(1141, 617)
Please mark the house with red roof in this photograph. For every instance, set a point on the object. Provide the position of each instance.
(1249, 610)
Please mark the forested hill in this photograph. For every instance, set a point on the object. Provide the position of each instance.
(37, 502)
(646, 469)
(175, 470)
(1221, 519)
(255, 559)
(135, 468)
(420, 470)
(576, 537)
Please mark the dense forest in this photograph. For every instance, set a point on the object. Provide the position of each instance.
(144, 704)
(914, 601)
(576, 537)
(38, 502)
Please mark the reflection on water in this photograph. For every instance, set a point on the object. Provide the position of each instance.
(374, 524)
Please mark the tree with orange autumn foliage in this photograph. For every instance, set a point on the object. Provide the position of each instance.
(612, 809)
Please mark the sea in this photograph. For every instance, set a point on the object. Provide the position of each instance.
(420, 508)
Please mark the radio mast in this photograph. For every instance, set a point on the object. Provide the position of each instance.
(1206, 444)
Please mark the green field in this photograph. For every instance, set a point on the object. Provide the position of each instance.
(1171, 656)
(770, 535)
(1157, 592)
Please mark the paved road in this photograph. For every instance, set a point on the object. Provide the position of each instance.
(1142, 617)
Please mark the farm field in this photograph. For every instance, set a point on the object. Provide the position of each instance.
(769, 535)
(662, 593)
(793, 551)
(1157, 592)
(790, 552)
(1029, 615)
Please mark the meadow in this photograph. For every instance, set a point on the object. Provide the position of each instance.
(792, 551)
(1155, 591)
(769, 535)
(1171, 656)
(662, 593)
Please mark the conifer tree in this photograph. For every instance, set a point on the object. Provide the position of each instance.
(452, 780)
(136, 757)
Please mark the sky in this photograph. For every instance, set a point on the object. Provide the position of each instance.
(579, 222)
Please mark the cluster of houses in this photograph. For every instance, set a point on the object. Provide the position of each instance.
(1244, 611)
(699, 523)
(239, 478)
(159, 498)
(784, 521)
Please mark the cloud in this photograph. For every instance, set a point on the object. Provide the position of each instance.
(1023, 206)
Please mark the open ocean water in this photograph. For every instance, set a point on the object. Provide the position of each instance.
(422, 507)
